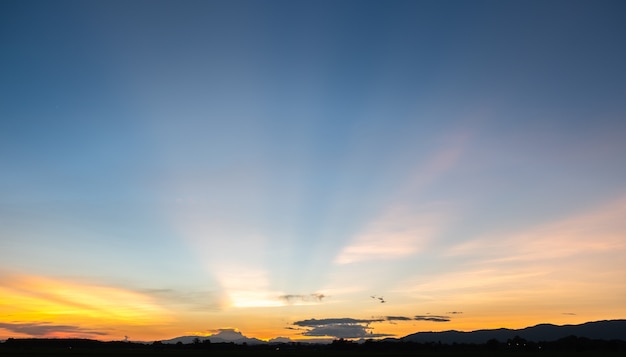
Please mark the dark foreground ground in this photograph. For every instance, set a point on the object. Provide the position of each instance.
(78, 352)
(133, 352)
(571, 346)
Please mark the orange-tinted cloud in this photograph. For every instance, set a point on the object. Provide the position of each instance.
(595, 231)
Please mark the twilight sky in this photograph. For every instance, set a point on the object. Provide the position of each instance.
(276, 167)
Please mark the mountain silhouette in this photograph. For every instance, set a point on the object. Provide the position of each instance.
(225, 335)
(601, 330)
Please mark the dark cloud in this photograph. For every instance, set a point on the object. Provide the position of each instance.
(42, 329)
(334, 321)
(454, 312)
(291, 298)
(569, 313)
(343, 331)
(435, 318)
(343, 327)
(346, 327)
(397, 318)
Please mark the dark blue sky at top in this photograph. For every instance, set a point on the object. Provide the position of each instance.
(93, 58)
(314, 106)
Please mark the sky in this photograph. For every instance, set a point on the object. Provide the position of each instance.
(310, 169)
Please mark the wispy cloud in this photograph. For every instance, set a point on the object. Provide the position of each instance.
(401, 231)
(47, 329)
(397, 318)
(481, 281)
(296, 299)
(598, 230)
(334, 321)
(434, 318)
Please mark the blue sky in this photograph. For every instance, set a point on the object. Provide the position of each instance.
(209, 157)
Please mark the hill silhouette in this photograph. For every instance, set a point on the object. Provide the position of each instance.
(598, 330)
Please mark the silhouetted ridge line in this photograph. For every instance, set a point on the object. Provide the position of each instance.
(597, 330)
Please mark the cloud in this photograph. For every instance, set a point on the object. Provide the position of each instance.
(397, 318)
(454, 312)
(392, 319)
(229, 334)
(302, 298)
(434, 318)
(559, 239)
(343, 327)
(334, 321)
(46, 329)
(343, 331)
(399, 232)
(346, 327)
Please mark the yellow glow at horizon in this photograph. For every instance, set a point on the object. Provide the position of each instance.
(26, 299)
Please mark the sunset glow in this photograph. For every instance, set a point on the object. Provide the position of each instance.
(35, 305)
(310, 169)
